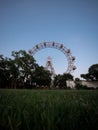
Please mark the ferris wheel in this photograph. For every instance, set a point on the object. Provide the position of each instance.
(67, 52)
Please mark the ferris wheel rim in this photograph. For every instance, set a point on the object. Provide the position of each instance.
(58, 46)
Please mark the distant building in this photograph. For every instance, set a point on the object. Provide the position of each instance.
(70, 83)
(93, 84)
(89, 84)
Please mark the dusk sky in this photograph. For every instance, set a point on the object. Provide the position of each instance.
(74, 23)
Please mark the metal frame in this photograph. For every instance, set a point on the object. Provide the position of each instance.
(61, 47)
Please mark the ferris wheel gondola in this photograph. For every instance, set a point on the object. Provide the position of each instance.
(62, 48)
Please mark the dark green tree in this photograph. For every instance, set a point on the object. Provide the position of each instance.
(92, 73)
(25, 65)
(4, 71)
(22, 71)
(85, 76)
(60, 80)
(41, 77)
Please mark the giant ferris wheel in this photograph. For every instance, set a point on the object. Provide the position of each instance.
(67, 52)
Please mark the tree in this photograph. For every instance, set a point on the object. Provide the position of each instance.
(60, 80)
(4, 71)
(85, 76)
(92, 73)
(22, 71)
(77, 79)
(41, 77)
(25, 65)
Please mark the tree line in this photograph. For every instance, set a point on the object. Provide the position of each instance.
(22, 71)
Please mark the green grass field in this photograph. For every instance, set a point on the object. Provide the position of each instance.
(48, 109)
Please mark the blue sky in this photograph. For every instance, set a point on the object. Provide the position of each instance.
(24, 23)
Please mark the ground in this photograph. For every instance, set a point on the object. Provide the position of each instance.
(48, 109)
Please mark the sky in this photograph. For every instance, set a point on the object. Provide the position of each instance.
(73, 23)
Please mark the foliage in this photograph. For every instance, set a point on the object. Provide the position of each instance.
(4, 70)
(48, 110)
(92, 73)
(77, 79)
(22, 71)
(60, 80)
(41, 76)
(80, 86)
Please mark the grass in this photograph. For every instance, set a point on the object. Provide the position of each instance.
(48, 109)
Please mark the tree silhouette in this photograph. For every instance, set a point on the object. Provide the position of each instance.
(60, 80)
(92, 73)
(22, 71)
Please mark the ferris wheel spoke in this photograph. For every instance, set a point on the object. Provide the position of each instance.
(60, 47)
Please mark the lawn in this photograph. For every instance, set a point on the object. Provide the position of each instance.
(48, 109)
